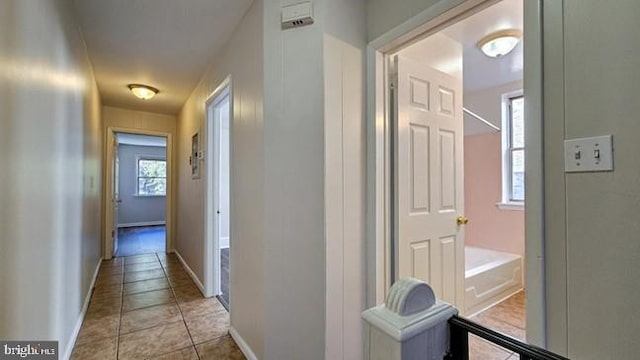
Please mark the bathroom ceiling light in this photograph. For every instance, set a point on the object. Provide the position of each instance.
(143, 92)
(499, 43)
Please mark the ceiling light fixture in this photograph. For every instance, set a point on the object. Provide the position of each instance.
(143, 92)
(499, 43)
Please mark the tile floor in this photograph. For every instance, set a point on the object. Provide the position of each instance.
(507, 317)
(147, 307)
(141, 240)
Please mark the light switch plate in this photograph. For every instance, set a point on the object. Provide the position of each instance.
(588, 154)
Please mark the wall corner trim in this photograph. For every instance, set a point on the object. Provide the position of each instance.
(244, 347)
(83, 312)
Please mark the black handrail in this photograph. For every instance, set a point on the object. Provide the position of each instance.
(459, 349)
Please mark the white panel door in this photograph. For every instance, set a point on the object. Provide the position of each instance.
(429, 178)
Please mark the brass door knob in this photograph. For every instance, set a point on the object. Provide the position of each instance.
(461, 220)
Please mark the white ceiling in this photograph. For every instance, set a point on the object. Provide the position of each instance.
(479, 71)
(163, 43)
(141, 140)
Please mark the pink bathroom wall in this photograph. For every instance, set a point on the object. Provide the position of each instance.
(489, 227)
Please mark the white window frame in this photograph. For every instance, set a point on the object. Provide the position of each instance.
(147, 157)
(507, 203)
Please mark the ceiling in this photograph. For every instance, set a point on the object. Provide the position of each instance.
(163, 43)
(141, 140)
(479, 71)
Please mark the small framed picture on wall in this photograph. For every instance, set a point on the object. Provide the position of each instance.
(194, 159)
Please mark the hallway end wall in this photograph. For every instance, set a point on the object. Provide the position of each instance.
(50, 186)
(241, 58)
(136, 209)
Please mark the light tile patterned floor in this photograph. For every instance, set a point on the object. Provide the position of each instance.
(507, 317)
(147, 307)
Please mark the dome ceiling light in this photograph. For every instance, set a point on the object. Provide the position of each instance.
(499, 43)
(143, 92)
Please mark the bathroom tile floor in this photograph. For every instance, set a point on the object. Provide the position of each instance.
(507, 317)
(147, 307)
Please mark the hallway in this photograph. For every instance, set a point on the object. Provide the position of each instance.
(148, 307)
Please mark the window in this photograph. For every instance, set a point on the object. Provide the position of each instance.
(513, 147)
(152, 177)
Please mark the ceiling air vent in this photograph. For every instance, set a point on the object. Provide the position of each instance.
(297, 15)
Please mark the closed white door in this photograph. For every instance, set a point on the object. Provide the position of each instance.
(429, 178)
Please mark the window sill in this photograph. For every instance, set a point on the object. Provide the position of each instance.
(148, 196)
(511, 206)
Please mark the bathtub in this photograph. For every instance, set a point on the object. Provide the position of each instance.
(490, 277)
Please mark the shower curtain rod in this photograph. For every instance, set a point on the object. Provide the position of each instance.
(478, 117)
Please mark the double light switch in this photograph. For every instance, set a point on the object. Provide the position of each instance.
(589, 154)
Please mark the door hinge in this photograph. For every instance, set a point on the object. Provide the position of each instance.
(113, 233)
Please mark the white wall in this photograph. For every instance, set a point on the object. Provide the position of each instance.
(136, 209)
(298, 245)
(279, 248)
(437, 51)
(294, 258)
(51, 179)
(277, 181)
(241, 58)
(384, 15)
(344, 166)
(601, 80)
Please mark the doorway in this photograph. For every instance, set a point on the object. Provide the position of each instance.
(449, 138)
(138, 186)
(459, 159)
(140, 181)
(218, 190)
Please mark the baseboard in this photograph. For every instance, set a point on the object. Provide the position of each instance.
(244, 347)
(190, 272)
(85, 306)
(144, 223)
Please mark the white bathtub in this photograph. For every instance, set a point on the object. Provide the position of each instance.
(490, 277)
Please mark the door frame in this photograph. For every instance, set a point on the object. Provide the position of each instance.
(212, 285)
(107, 244)
(379, 221)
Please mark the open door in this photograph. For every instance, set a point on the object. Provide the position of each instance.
(219, 237)
(429, 203)
(224, 210)
(116, 195)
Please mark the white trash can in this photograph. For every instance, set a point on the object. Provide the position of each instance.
(411, 325)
